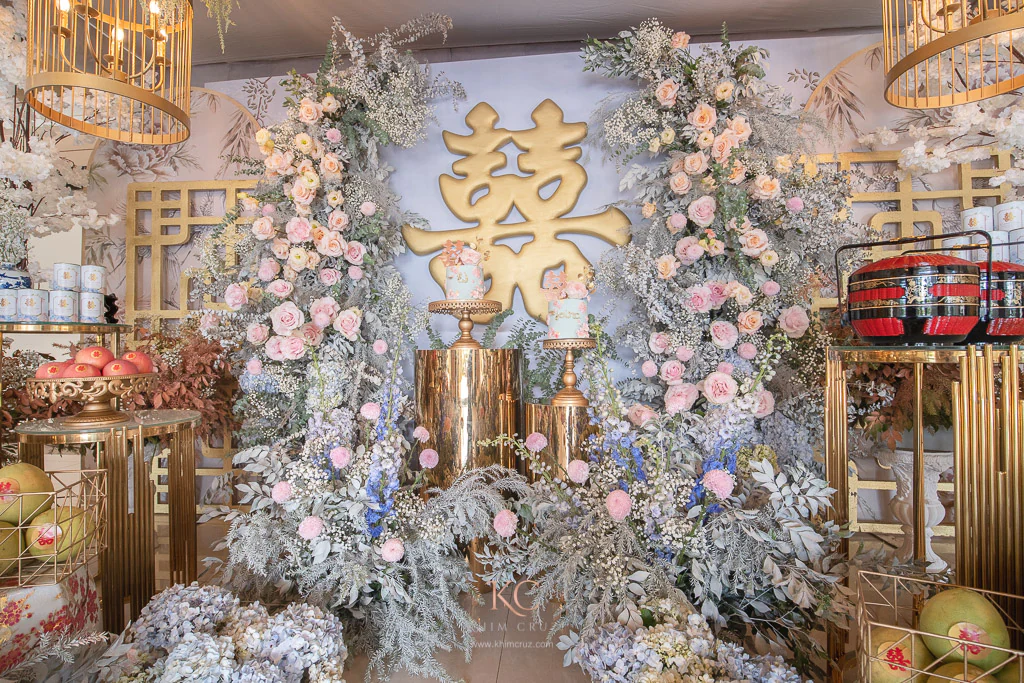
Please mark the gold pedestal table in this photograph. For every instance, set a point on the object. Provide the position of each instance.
(988, 460)
(566, 429)
(128, 565)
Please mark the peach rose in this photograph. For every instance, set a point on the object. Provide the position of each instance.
(667, 266)
(794, 321)
(724, 90)
(332, 244)
(286, 317)
(702, 211)
(335, 198)
(765, 187)
(330, 166)
(722, 147)
(281, 247)
(749, 321)
(769, 258)
(738, 173)
(784, 164)
(330, 103)
(302, 194)
(719, 388)
(703, 117)
(263, 228)
(310, 111)
(666, 92)
(695, 163)
(679, 40)
(367, 209)
(680, 397)
(680, 184)
(705, 139)
(740, 128)
(753, 242)
(723, 334)
(298, 259)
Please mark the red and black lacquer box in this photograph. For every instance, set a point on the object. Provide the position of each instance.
(915, 298)
(1005, 324)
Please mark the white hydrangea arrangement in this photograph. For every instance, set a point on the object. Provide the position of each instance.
(205, 634)
(739, 231)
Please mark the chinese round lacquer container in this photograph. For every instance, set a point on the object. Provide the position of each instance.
(925, 298)
(1005, 322)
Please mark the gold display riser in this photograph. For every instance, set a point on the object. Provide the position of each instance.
(566, 429)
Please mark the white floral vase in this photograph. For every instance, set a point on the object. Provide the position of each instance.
(12, 277)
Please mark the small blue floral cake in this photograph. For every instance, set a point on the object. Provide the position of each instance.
(567, 319)
(462, 283)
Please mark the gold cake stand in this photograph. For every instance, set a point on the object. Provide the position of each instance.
(464, 310)
(569, 395)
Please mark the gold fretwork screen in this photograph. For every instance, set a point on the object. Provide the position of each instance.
(916, 205)
(162, 223)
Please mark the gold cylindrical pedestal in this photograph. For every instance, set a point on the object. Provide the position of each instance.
(566, 429)
(464, 396)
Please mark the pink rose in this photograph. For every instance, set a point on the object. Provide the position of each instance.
(332, 244)
(536, 442)
(286, 317)
(268, 209)
(293, 348)
(421, 434)
(355, 272)
(370, 411)
(311, 527)
(658, 342)
(697, 298)
(330, 276)
(340, 457)
(236, 296)
(749, 321)
(676, 222)
(723, 334)
(718, 293)
(273, 348)
(393, 550)
(703, 117)
(333, 136)
(354, 253)
(263, 228)
(747, 351)
(208, 321)
(578, 471)
(795, 204)
(719, 482)
(765, 404)
(310, 333)
(618, 504)
(695, 163)
(794, 322)
(680, 397)
(719, 388)
(680, 183)
(280, 288)
(323, 310)
(771, 288)
(348, 322)
(380, 347)
(684, 353)
(505, 523)
(672, 372)
(428, 458)
(727, 368)
(254, 366)
(754, 242)
(281, 492)
(666, 92)
(470, 257)
(337, 220)
(298, 230)
(281, 247)
(639, 414)
(367, 208)
(269, 268)
(702, 210)
(649, 368)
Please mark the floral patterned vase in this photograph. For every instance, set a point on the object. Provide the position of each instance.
(27, 613)
(11, 277)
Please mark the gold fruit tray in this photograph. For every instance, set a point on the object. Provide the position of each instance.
(96, 393)
(31, 554)
(894, 604)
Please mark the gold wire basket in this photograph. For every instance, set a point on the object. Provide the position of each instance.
(895, 602)
(96, 394)
(59, 532)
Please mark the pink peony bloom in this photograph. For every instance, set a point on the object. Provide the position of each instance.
(698, 299)
(269, 268)
(311, 527)
(505, 523)
(579, 471)
(470, 257)
(794, 321)
(333, 136)
(684, 353)
(355, 272)
(765, 404)
(257, 333)
(676, 222)
(727, 368)
(298, 230)
(672, 372)
(719, 482)
(367, 208)
(421, 434)
(795, 204)
(380, 347)
(680, 397)
(719, 388)
(649, 368)
(428, 458)
(658, 342)
(618, 504)
(281, 492)
(254, 366)
(236, 296)
(393, 550)
(536, 442)
(723, 334)
(718, 293)
(268, 209)
(747, 351)
(575, 290)
(340, 457)
(370, 411)
(639, 414)
(771, 288)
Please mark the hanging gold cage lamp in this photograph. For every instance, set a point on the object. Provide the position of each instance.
(940, 53)
(116, 69)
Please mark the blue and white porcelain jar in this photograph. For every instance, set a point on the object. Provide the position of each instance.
(12, 277)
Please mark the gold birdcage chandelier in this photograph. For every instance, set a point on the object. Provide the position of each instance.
(940, 53)
(116, 69)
